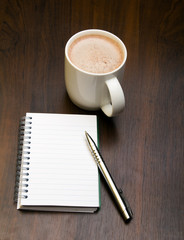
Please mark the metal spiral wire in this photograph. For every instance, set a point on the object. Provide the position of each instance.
(23, 159)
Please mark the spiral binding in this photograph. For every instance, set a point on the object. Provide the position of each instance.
(23, 159)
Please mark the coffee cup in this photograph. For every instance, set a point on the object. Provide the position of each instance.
(94, 65)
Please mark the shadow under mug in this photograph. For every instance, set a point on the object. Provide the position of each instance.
(93, 91)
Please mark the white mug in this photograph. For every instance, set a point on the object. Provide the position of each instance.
(93, 91)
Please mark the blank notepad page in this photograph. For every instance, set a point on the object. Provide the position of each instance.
(61, 170)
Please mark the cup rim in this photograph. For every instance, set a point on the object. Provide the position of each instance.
(96, 31)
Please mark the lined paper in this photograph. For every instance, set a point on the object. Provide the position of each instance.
(62, 171)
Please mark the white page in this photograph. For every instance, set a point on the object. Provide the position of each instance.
(62, 171)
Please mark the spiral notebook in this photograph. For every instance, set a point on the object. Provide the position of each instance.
(55, 169)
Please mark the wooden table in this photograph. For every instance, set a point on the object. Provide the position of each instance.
(143, 147)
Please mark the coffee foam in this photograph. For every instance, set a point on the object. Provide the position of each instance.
(96, 54)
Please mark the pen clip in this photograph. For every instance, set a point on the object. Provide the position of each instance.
(127, 205)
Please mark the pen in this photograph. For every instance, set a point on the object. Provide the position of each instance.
(121, 202)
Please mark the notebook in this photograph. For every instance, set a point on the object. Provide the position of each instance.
(55, 169)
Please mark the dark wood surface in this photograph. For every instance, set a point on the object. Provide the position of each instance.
(143, 147)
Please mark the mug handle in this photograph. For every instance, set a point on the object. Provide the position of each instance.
(117, 98)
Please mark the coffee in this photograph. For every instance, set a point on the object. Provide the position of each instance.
(96, 53)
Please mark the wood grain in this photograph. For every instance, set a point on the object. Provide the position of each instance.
(143, 147)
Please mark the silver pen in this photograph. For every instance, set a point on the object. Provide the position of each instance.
(122, 204)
